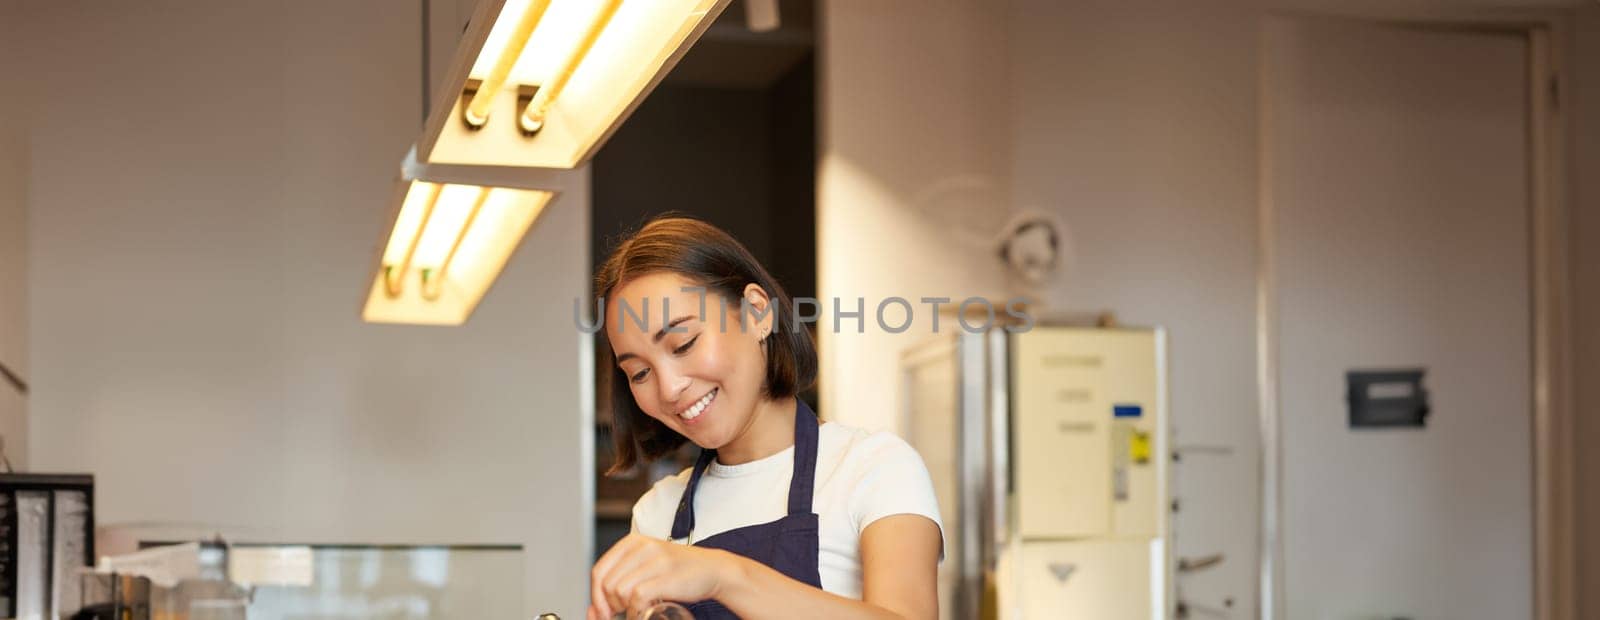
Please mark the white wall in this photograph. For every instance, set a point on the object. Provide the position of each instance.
(207, 192)
(13, 238)
(910, 158)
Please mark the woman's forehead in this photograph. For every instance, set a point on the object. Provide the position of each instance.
(658, 291)
(643, 305)
(656, 286)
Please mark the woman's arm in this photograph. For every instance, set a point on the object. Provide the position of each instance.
(899, 574)
(899, 579)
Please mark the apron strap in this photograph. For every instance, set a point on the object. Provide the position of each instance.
(683, 521)
(801, 484)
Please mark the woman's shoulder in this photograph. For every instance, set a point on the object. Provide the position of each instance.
(658, 504)
(862, 447)
(668, 489)
(882, 475)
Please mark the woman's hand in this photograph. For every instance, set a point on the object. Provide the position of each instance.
(640, 571)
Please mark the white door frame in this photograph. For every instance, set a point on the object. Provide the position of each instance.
(1554, 562)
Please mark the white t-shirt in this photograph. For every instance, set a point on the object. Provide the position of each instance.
(861, 477)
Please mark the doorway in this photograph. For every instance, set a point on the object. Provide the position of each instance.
(1397, 227)
(729, 137)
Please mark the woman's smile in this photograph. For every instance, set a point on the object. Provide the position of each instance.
(692, 413)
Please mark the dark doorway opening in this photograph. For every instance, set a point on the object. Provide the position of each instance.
(728, 137)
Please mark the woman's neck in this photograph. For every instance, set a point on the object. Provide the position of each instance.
(771, 430)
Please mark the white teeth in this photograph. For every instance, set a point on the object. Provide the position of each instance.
(699, 406)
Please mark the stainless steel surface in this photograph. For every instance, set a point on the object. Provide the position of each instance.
(930, 413)
(978, 434)
(972, 434)
(999, 440)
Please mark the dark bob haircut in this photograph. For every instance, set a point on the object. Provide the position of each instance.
(708, 257)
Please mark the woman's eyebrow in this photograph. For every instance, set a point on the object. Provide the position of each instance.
(674, 323)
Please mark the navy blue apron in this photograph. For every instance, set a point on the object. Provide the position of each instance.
(788, 545)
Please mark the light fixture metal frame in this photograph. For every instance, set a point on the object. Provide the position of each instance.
(556, 182)
(449, 100)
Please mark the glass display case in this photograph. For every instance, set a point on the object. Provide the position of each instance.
(387, 582)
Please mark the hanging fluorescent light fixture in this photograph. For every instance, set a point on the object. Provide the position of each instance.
(542, 83)
(450, 237)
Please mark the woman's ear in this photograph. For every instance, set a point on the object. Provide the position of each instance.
(760, 304)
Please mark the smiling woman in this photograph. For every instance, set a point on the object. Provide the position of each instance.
(781, 515)
(690, 265)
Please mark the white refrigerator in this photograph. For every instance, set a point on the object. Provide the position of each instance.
(1049, 452)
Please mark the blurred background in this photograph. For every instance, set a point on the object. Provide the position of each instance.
(1355, 241)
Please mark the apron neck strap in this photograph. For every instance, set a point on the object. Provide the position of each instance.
(683, 521)
(801, 484)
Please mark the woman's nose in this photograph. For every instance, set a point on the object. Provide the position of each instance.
(672, 386)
